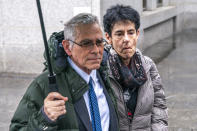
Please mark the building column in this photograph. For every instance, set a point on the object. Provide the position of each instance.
(151, 5)
(165, 2)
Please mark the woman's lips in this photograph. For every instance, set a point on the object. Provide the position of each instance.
(126, 49)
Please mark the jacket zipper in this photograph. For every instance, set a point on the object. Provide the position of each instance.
(121, 90)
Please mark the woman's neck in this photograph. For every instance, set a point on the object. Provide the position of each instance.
(126, 61)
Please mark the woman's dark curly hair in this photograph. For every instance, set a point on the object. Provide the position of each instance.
(120, 13)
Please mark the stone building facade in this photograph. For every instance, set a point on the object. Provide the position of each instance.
(21, 44)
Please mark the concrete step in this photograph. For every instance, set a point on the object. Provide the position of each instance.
(179, 76)
(181, 129)
(160, 50)
(182, 111)
(163, 48)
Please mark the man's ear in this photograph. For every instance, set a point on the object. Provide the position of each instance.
(108, 37)
(66, 44)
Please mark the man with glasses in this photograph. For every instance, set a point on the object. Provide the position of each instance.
(83, 102)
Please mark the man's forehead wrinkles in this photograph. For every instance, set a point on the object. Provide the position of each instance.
(84, 40)
(87, 39)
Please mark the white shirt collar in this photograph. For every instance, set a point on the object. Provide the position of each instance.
(83, 74)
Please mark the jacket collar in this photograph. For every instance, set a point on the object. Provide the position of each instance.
(145, 63)
(77, 85)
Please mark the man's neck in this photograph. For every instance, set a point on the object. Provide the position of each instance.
(84, 69)
(81, 72)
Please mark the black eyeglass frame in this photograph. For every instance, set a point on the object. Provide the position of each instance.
(90, 45)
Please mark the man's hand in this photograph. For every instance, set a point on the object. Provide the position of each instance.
(54, 105)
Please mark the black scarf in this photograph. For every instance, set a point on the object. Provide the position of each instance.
(131, 76)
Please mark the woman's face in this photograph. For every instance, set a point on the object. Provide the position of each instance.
(124, 39)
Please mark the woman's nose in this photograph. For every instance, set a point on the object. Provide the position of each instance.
(126, 37)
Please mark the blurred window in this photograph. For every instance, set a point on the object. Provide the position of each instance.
(144, 5)
(159, 3)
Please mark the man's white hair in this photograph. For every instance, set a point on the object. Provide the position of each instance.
(70, 27)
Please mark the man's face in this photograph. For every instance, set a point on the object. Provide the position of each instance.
(124, 38)
(87, 58)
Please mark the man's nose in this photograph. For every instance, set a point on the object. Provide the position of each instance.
(95, 48)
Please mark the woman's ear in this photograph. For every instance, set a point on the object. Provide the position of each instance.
(138, 33)
(66, 44)
(108, 38)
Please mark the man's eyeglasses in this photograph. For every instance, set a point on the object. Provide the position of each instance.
(89, 43)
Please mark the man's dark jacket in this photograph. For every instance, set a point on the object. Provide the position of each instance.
(29, 117)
